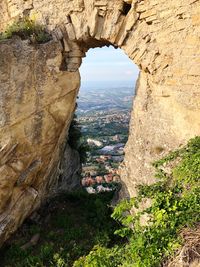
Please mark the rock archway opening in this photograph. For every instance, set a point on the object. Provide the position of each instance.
(104, 105)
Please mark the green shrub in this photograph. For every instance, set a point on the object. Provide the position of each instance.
(101, 257)
(58, 261)
(175, 204)
(27, 29)
(75, 139)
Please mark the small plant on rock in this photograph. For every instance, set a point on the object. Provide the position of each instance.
(26, 29)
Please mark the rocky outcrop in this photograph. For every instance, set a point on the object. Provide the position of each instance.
(37, 104)
(39, 85)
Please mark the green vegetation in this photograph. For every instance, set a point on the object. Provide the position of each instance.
(27, 29)
(72, 224)
(175, 204)
(80, 231)
(76, 141)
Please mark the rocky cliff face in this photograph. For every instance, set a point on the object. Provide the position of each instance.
(37, 103)
(39, 85)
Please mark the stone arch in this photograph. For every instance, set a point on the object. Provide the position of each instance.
(39, 85)
(104, 24)
(153, 34)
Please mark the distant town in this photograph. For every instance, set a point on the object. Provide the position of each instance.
(103, 116)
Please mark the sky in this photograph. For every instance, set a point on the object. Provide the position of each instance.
(107, 66)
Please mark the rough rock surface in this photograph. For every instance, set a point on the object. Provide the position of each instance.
(39, 87)
(37, 104)
(70, 167)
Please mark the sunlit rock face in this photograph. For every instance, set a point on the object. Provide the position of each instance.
(37, 104)
(39, 85)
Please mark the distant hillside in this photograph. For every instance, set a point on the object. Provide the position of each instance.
(103, 99)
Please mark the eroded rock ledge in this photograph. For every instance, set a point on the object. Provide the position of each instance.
(39, 85)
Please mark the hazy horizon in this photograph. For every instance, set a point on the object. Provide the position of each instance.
(108, 66)
(110, 84)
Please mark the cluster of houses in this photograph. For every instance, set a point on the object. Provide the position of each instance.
(95, 183)
(88, 180)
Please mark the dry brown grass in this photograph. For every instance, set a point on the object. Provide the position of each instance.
(189, 254)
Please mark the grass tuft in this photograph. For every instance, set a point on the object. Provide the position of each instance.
(26, 28)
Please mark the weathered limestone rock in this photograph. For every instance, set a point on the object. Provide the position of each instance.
(37, 95)
(37, 104)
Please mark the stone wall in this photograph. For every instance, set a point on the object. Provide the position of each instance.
(161, 37)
